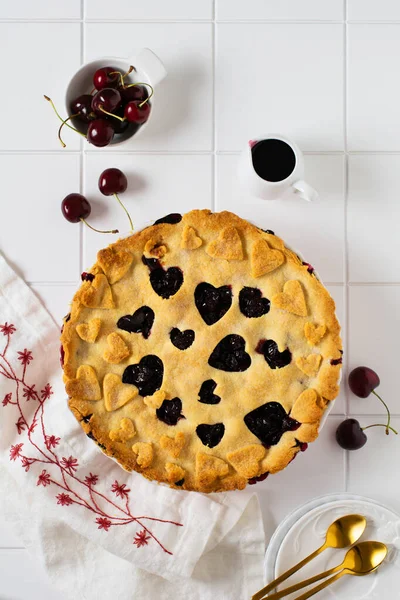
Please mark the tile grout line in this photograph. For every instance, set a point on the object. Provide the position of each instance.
(214, 110)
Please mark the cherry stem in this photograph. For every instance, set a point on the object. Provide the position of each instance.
(110, 114)
(387, 409)
(381, 425)
(124, 75)
(127, 213)
(98, 230)
(62, 125)
(143, 83)
(64, 121)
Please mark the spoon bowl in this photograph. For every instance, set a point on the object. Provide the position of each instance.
(345, 531)
(365, 557)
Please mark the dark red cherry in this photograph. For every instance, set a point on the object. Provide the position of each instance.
(350, 436)
(134, 92)
(121, 126)
(136, 113)
(170, 411)
(106, 77)
(100, 133)
(112, 181)
(106, 100)
(75, 207)
(362, 381)
(82, 106)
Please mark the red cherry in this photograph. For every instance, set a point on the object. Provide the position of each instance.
(363, 381)
(134, 92)
(112, 181)
(137, 113)
(350, 436)
(82, 106)
(100, 133)
(106, 77)
(107, 100)
(75, 207)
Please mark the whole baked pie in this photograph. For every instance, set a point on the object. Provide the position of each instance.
(201, 352)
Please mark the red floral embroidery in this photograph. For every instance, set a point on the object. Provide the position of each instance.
(141, 539)
(20, 425)
(26, 463)
(32, 426)
(103, 523)
(120, 489)
(44, 478)
(46, 392)
(15, 451)
(7, 329)
(64, 499)
(7, 399)
(30, 392)
(51, 441)
(25, 357)
(71, 464)
(91, 479)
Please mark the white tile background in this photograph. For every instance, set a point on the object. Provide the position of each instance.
(324, 73)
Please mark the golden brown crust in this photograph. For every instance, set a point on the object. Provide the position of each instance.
(222, 250)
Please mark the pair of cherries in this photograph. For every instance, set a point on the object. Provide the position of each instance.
(76, 207)
(113, 107)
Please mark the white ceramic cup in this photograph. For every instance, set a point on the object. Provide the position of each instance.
(273, 190)
(149, 69)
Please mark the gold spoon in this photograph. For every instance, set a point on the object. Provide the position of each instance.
(361, 559)
(344, 532)
(373, 559)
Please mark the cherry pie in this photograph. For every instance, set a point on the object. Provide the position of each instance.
(201, 352)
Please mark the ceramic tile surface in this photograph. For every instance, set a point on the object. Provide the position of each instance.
(323, 73)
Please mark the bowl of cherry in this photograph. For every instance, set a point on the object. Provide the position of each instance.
(110, 99)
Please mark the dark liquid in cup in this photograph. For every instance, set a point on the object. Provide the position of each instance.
(273, 160)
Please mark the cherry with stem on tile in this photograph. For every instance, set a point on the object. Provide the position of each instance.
(349, 434)
(113, 182)
(81, 107)
(106, 102)
(100, 133)
(76, 208)
(136, 111)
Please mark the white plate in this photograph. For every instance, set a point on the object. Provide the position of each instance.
(304, 530)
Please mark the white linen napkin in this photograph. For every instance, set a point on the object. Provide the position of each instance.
(88, 519)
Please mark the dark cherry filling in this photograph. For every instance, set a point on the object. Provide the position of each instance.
(211, 302)
(140, 322)
(147, 375)
(310, 268)
(62, 355)
(166, 283)
(172, 219)
(274, 358)
(336, 361)
(180, 482)
(261, 477)
(182, 339)
(151, 263)
(87, 418)
(210, 435)
(252, 304)
(206, 393)
(230, 355)
(269, 422)
(67, 318)
(170, 411)
(268, 231)
(87, 276)
(302, 445)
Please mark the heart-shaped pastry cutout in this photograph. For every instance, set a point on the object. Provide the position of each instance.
(89, 331)
(175, 473)
(264, 259)
(209, 468)
(291, 299)
(170, 411)
(117, 349)
(309, 407)
(251, 303)
(174, 445)
(228, 245)
(125, 432)
(210, 435)
(144, 452)
(97, 293)
(230, 355)
(155, 248)
(211, 302)
(182, 339)
(269, 422)
(116, 394)
(115, 263)
(246, 460)
(140, 322)
(190, 240)
(309, 364)
(147, 375)
(166, 283)
(85, 386)
(314, 333)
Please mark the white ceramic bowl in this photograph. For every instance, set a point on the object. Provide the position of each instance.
(149, 69)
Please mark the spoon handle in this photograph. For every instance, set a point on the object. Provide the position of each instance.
(261, 593)
(302, 584)
(321, 586)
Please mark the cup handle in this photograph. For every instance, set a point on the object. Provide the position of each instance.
(305, 191)
(151, 65)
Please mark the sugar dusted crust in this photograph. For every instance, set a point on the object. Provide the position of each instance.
(222, 250)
